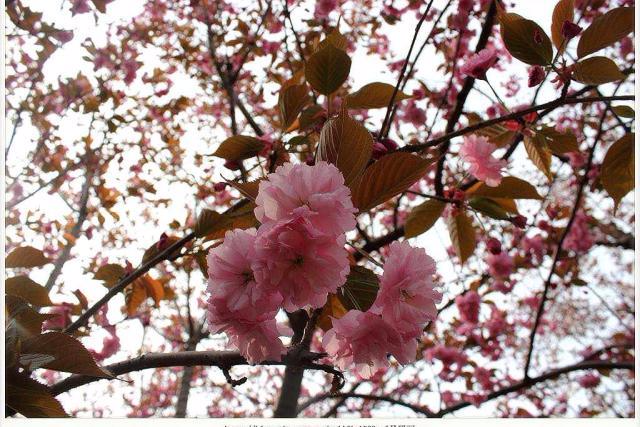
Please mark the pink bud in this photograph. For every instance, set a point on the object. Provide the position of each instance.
(220, 186)
(536, 75)
(494, 246)
(519, 221)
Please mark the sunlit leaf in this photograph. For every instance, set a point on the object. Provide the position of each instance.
(606, 29)
(618, 167)
(291, 101)
(26, 257)
(539, 153)
(423, 217)
(347, 144)
(462, 234)
(510, 187)
(525, 40)
(239, 147)
(388, 177)
(110, 274)
(563, 11)
(69, 354)
(28, 290)
(374, 95)
(327, 69)
(597, 70)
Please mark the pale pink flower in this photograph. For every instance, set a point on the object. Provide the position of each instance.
(469, 306)
(580, 238)
(294, 258)
(407, 296)
(477, 152)
(363, 339)
(253, 331)
(500, 265)
(324, 8)
(319, 187)
(231, 278)
(478, 64)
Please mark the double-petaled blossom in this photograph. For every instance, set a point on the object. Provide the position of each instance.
(477, 152)
(299, 261)
(407, 296)
(319, 187)
(231, 276)
(364, 339)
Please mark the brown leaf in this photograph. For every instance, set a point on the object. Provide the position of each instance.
(558, 142)
(606, 29)
(373, 95)
(28, 290)
(347, 144)
(423, 217)
(463, 235)
(519, 36)
(327, 69)
(239, 147)
(618, 167)
(26, 257)
(563, 11)
(110, 274)
(70, 355)
(388, 177)
(597, 70)
(291, 101)
(30, 398)
(360, 290)
(28, 321)
(332, 309)
(153, 287)
(539, 153)
(510, 188)
(248, 189)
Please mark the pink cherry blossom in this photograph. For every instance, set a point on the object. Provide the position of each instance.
(501, 265)
(407, 296)
(231, 278)
(580, 238)
(478, 65)
(469, 306)
(319, 187)
(294, 258)
(363, 339)
(589, 380)
(477, 152)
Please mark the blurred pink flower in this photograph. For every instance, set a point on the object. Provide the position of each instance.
(500, 265)
(301, 263)
(320, 188)
(469, 306)
(407, 296)
(477, 152)
(478, 64)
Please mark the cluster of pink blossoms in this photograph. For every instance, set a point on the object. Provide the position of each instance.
(477, 152)
(406, 301)
(293, 261)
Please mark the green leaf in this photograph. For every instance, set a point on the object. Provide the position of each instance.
(463, 235)
(110, 274)
(488, 207)
(291, 101)
(519, 36)
(347, 144)
(539, 153)
(30, 398)
(327, 69)
(618, 167)
(606, 29)
(373, 95)
(563, 11)
(239, 147)
(624, 111)
(68, 353)
(26, 257)
(423, 217)
(388, 177)
(28, 290)
(509, 188)
(597, 70)
(360, 290)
